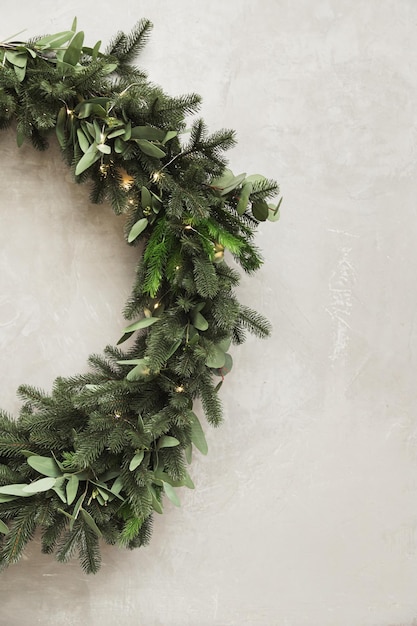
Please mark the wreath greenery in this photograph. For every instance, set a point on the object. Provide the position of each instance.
(96, 457)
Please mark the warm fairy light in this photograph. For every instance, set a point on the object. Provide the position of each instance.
(103, 168)
(117, 415)
(156, 177)
(156, 305)
(178, 267)
(127, 182)
(131, 201)
(102, 137)
(70, 112)
(179, 389)
(188, 227)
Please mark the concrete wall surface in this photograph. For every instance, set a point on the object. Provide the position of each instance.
(305, 510)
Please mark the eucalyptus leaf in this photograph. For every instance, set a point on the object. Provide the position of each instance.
(97, 131)
(260, 210)
(124, 338)
(145, 198)
(167, 442)
(116, 133)
(138, 372)
(6, 498)
(217, 357)
(59, 489)
(156, 504)
(60, 127)
(235, 182)
(188, 454)
(171, 493)
(225, 344)
(199, 321)
(244, 198)
(143, 323)
(187, 481)
(109, 68)
(147, 132)
(128, 130)
(117, 486)
(54, 41)
(137, 460)
(150, 149)
(228, 365)
(3, 528)
(72, 488)
(104, 148)
(44, 465)
(38, 486)
(197, 434)
(90, 522)
(15, 490)
(137, 228)
(73, 52)
(88, 159)
(20, 73)
(222, 181)
(174, 348)
(255, 178)
(274, 211)
(88, 108)
(77, 509)
(119, 145)
(82, 140)
(170, 135)
(19, 59)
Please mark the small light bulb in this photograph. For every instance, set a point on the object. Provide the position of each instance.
(179, 389)
(188, 227)
(177, 267)
(156, 305)
(156, 176)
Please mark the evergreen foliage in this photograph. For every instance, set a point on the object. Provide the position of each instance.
(95, 458)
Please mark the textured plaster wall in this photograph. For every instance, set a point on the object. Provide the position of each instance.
(305, 511)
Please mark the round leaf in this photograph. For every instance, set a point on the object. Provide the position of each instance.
(260, 210)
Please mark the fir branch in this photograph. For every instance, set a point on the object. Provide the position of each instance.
(127, 47)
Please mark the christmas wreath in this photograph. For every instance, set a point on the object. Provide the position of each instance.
(97, 456)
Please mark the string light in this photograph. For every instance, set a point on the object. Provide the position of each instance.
(156, 177)
(179, 389)
(127, 182)
(156, 305)
(103, 169)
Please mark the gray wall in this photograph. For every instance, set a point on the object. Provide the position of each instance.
(305, 511)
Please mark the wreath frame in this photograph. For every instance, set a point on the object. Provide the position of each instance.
(96, 457)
